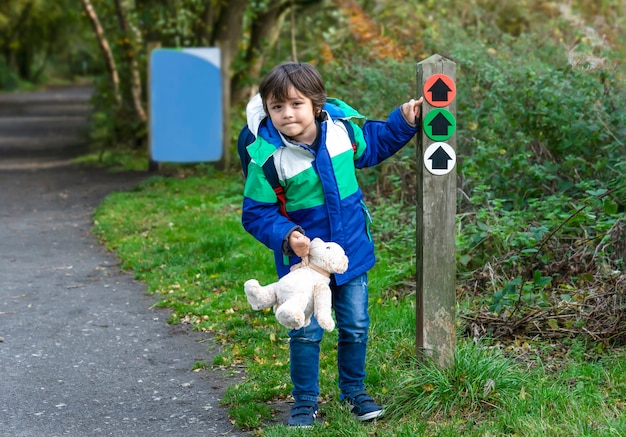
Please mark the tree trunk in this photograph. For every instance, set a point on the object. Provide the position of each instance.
(13, 34)
(106, 50)
(294, 46)
(264, 35)
(228, 30)
(130, 51)
(265, 32)
(24, 58)
(39, 71)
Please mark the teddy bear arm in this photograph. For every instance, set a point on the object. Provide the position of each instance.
(260, 297)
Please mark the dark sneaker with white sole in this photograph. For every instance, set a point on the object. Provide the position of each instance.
(303, 414)
(363, 406)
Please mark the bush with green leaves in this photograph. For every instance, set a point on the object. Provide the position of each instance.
(8, 79)
(542, 164)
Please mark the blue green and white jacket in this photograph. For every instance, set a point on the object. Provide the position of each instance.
(322, 194)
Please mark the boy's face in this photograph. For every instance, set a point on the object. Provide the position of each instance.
(294, 118)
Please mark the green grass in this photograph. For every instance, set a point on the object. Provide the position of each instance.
(183, 238)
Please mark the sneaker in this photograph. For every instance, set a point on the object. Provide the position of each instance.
(363, 406)
(303, 414)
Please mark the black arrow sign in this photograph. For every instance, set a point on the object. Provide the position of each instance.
(440, 125)
(440, 159)
(439, 91)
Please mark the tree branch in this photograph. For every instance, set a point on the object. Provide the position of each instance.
(106, 50)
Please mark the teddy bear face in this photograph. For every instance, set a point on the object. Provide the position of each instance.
(328, 255)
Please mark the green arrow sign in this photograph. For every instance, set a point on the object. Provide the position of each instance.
(439, 124)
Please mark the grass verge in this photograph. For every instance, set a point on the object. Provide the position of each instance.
(183, 238)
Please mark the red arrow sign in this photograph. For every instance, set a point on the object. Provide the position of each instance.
(439, 90)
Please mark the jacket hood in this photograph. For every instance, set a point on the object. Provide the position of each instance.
(260, 125)
(336, 109)
(255, 114)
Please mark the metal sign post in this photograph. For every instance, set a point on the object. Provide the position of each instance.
(436, 211)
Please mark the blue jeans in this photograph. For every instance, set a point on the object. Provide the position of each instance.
(350, 305)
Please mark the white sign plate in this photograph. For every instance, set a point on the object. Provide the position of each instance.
(439, 158)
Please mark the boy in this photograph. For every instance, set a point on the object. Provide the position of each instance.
(299, 152)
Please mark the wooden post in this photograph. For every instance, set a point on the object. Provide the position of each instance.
(225, 62)
(152, 165)
(436, 211)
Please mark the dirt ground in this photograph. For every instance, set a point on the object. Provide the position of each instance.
(82, 351)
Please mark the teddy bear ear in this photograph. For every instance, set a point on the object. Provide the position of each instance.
(317, 240)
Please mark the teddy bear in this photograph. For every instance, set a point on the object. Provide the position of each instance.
(304, 290)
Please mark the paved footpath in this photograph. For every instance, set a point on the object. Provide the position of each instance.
(82, 351)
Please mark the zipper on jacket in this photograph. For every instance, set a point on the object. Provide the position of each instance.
(368, 220)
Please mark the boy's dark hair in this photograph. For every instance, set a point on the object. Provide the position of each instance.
(303, 77)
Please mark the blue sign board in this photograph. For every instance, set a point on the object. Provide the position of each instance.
(185, 105)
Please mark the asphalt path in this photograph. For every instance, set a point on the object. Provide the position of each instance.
(82, 350)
